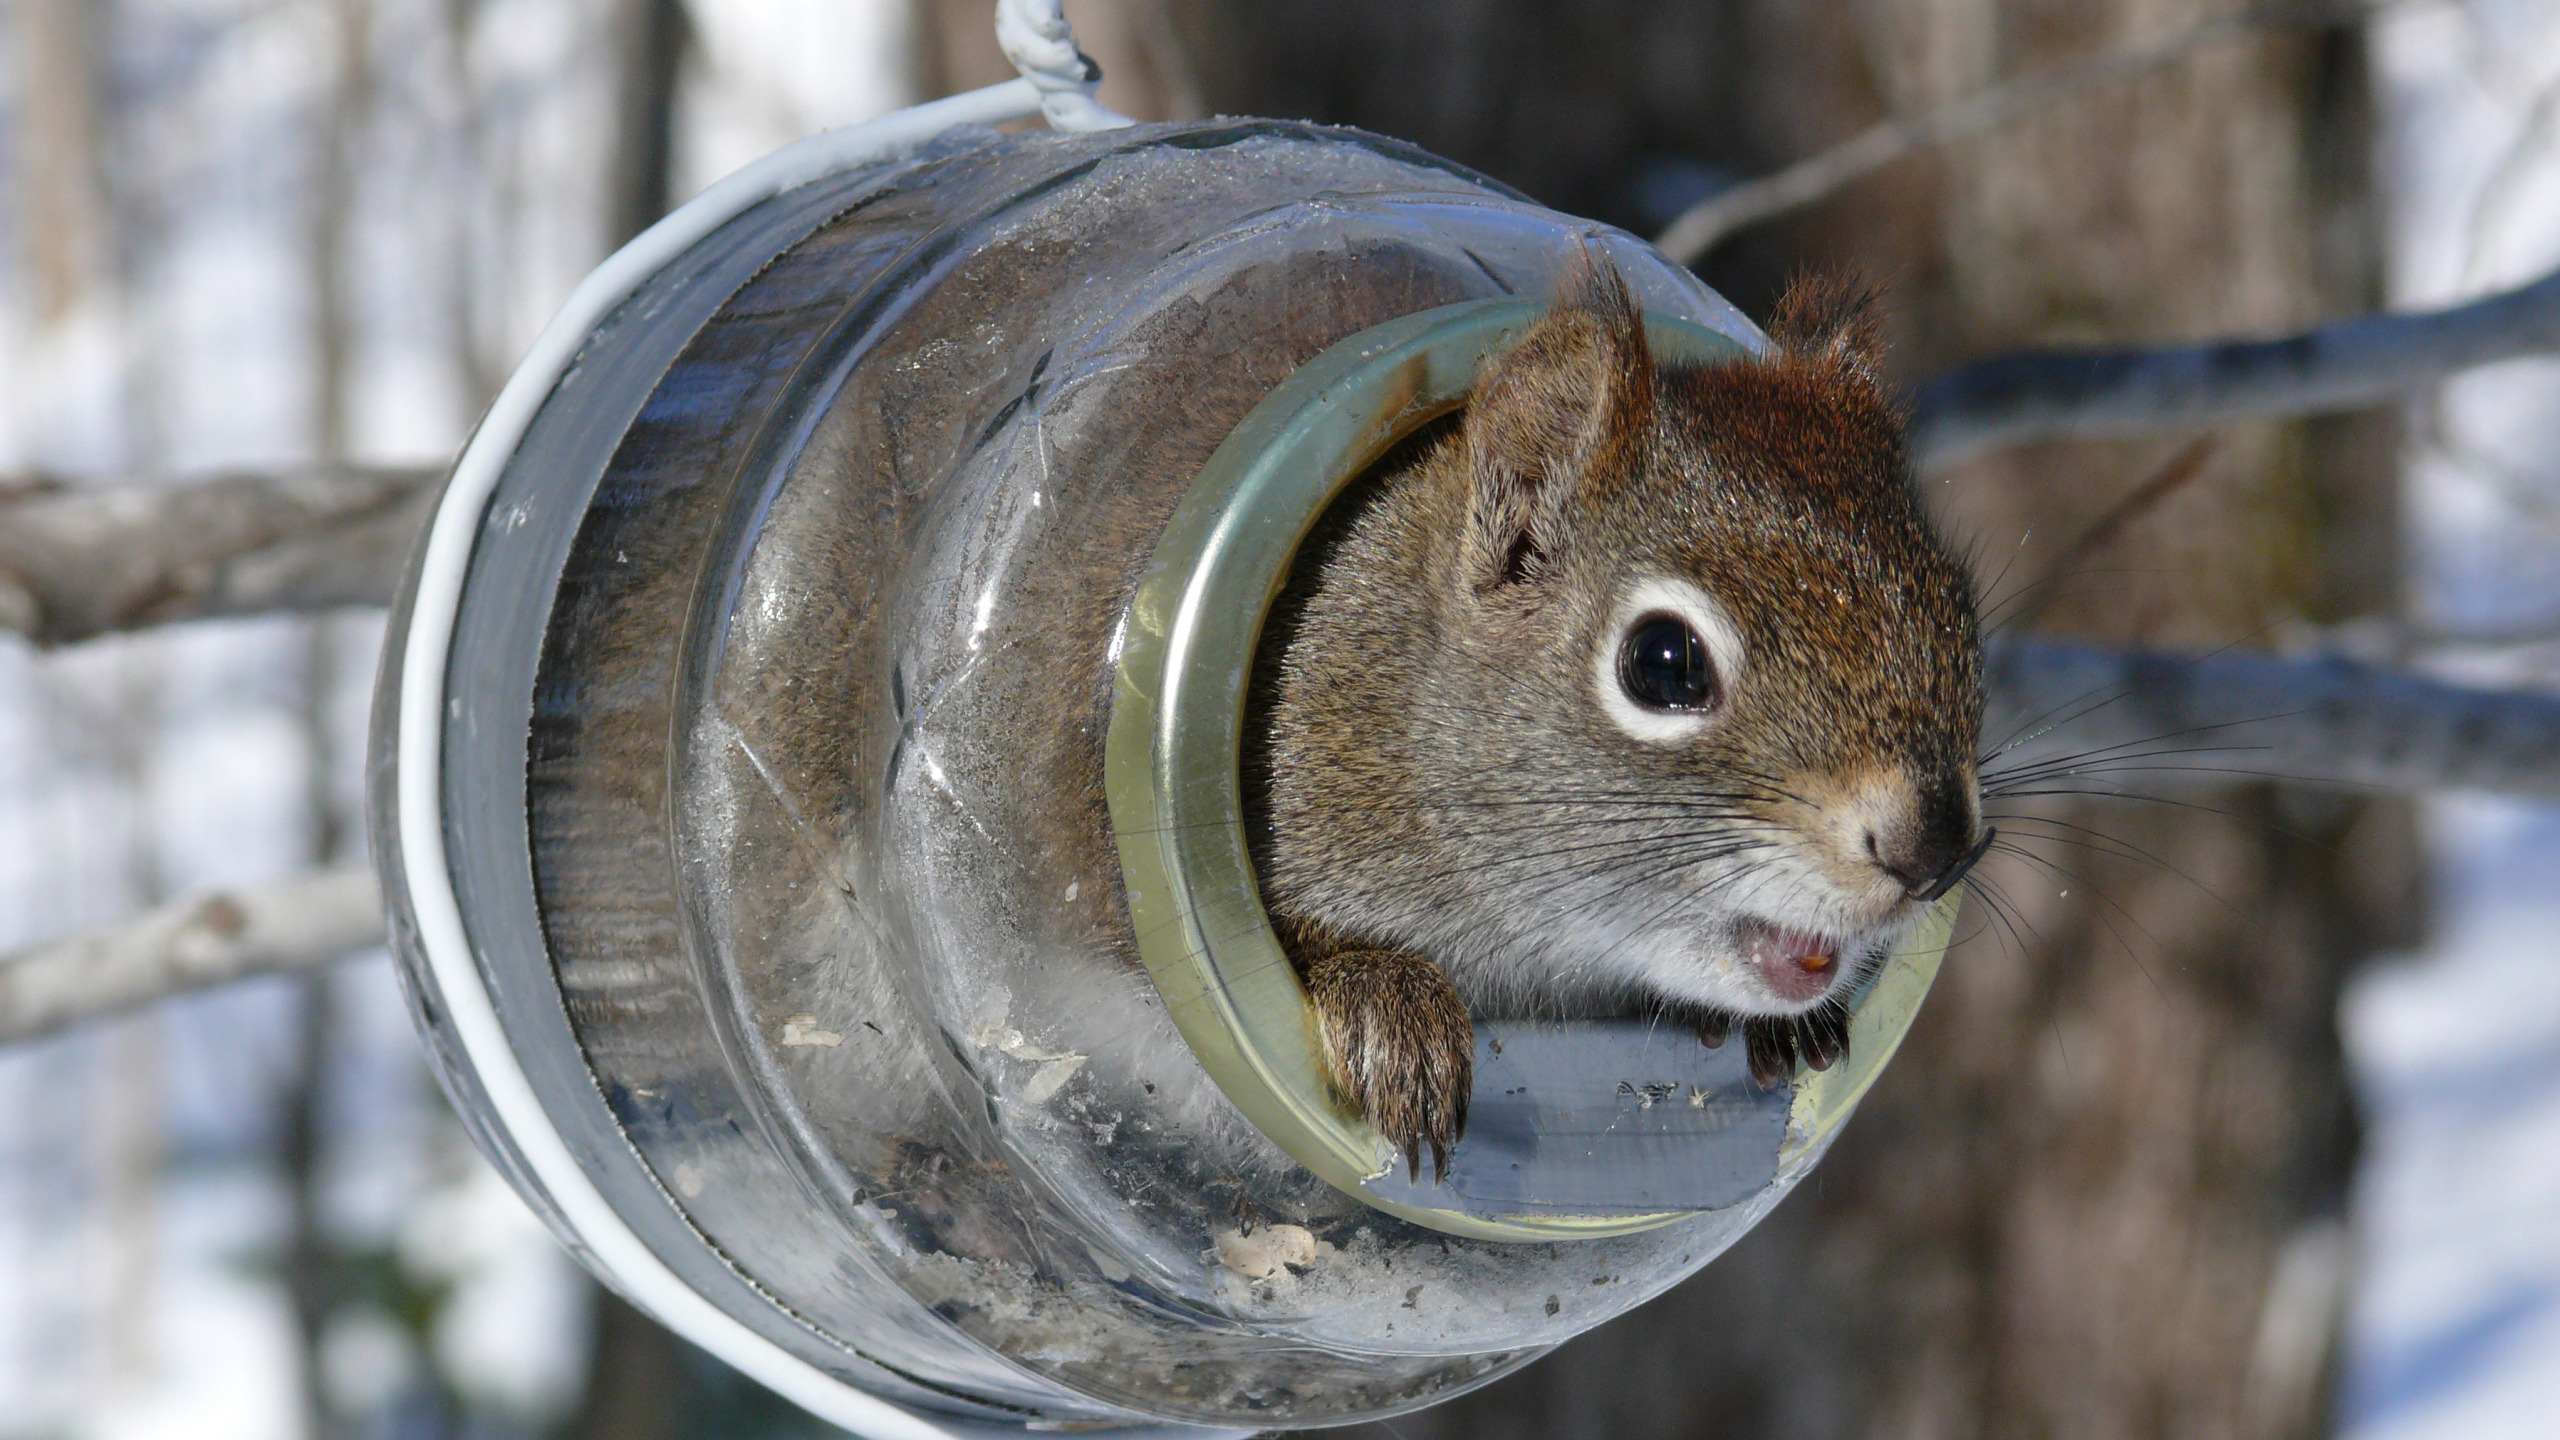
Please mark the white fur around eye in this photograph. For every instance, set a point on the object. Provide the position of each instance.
(1663, 595)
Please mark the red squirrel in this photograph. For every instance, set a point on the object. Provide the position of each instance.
(1637, 687)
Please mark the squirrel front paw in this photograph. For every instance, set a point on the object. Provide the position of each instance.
(1773, 1043)
(1400, 1047)
(1820, 1036)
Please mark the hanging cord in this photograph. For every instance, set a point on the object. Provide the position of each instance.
(1036, 39)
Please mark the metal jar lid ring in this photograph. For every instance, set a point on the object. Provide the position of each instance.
(1177, 721)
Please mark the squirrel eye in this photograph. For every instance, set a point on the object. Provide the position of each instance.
(1663, 664)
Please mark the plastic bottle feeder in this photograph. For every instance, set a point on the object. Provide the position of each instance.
(807, 790)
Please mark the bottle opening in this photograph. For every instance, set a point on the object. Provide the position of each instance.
(1575, 1129)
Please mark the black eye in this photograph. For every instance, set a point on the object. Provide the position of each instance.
(1663, 664)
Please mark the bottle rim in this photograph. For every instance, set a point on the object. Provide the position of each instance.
(1173, 780)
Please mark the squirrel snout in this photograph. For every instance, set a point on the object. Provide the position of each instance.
(1930, 855)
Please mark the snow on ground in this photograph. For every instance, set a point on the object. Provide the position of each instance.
(141, 1209)
(2456, 1322)
(2454, 1329)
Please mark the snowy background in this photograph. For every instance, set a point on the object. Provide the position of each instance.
(2455, 1325)
(159, 315)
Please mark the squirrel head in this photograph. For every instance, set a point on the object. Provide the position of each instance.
(1644, 679)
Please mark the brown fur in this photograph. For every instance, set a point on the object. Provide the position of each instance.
(1440, 795)
(1397, 1041)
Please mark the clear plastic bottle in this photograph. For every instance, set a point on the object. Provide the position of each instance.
(773, 783)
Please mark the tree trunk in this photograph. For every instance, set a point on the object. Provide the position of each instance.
(2100, 1194)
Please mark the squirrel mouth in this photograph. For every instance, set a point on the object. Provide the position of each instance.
(1798, 966)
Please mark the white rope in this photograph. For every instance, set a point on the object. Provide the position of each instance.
(1036, 38)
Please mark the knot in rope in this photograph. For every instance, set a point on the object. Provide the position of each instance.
(1036, 38)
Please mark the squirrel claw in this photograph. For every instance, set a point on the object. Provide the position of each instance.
(1771, 1049)
(1823, 1036)
(1400, 1048)
(1413, 1161)
(1819, 1038)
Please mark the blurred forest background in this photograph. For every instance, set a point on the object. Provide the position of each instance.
(2241, 1120)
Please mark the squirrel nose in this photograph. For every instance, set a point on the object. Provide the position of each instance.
(1929, 859)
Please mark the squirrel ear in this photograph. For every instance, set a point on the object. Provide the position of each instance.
(1550, 417)
(1831, 316)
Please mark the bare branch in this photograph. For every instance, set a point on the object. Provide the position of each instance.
(1702, 226)
(2148, 721)
(2529, 634)
(79, 562)
(2070, 394)
(211, 939)
(2093, 720)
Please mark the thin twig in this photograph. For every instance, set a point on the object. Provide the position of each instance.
(76, 562)
(2498, 194)
(2074, 394)
(287, 926)
(1702, 226)
(2168, 480)
(2224, 717)
(2517, 635)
